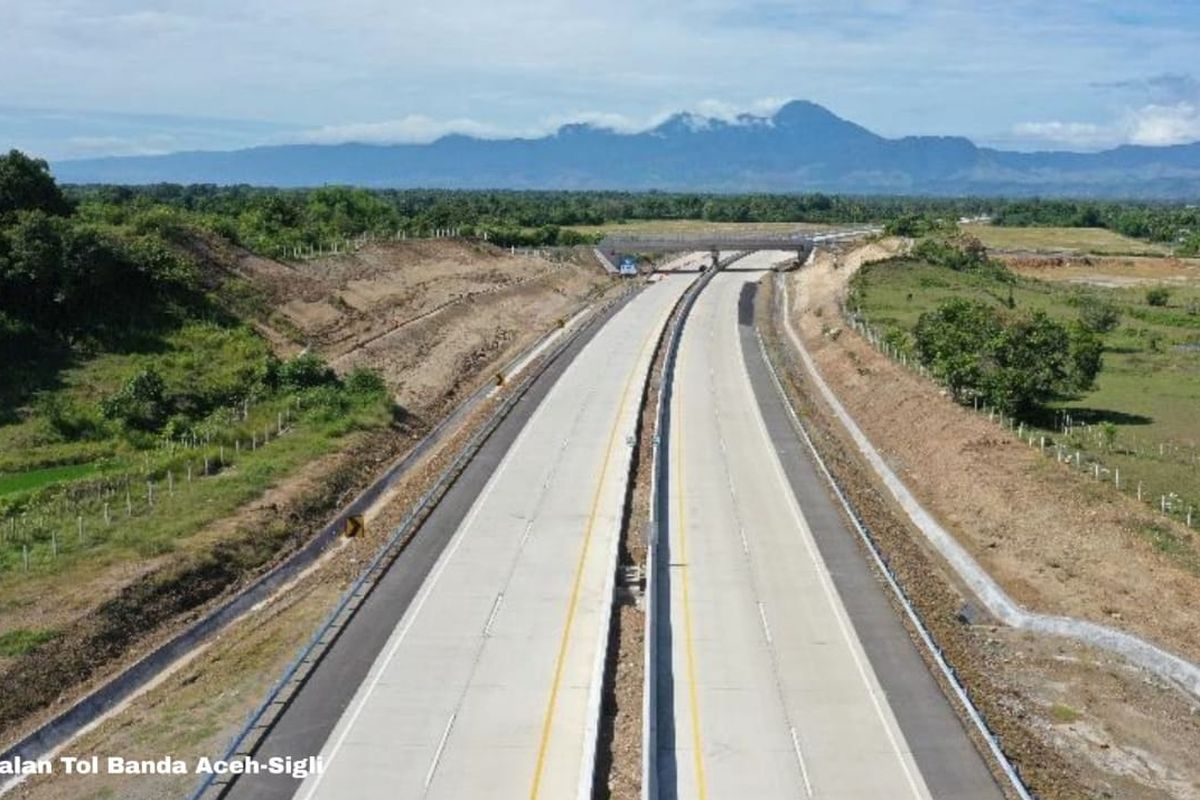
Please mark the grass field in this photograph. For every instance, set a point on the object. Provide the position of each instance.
(38, 478)
(1099, 241)
(80, 493)
(1149, 387)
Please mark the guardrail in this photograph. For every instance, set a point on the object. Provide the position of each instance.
(294, 676)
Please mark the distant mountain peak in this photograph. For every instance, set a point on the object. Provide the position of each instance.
(801, 147)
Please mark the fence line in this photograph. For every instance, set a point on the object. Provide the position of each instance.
(1068, 450)
(81, 514)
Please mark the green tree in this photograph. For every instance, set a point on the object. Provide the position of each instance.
(1086, 359)
(1014, 362)
(955, 341)
(26, 184)
(305, 371)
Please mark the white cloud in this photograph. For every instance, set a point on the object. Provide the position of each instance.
(412, 129)
(421, 129)
(407, 70)
(1153, 125)
(1074, 134)
(148, 145)
(1164, 125)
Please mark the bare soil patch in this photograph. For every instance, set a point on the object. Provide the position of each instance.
(1111, 272)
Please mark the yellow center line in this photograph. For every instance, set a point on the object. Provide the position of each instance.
(690, 650)
(548, 720)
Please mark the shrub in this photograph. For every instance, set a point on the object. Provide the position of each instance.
(1158, 296)
(1099, 316)
(961, 254)
(140, 404)
(305, 371)
(366, 383)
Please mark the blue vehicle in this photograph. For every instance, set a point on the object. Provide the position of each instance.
(628, 266)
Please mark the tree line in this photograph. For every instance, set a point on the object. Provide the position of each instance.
(68, 278)
(274, 220)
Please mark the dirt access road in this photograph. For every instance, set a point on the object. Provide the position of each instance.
(1055, 542)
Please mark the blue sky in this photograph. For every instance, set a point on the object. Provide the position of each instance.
(97, 77)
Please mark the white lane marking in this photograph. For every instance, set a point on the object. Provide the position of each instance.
(528, 529)
(803, 767)
(839, 612)
(762, 613)
(487, 629)
(437, 755)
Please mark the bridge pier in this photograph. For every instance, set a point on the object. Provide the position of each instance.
(716, 257)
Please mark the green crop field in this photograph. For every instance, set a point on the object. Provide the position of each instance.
(37, 478)
(1098, 241)
(1149, 388)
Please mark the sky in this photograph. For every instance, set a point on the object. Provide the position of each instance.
(82, 78)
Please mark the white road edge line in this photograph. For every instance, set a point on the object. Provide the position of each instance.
(926, 638)
(903, 754)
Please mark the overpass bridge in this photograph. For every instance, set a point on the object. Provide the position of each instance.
(611, 248)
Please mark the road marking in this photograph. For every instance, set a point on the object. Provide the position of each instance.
(577, 582)
(428, 587)
(689, 647)
(437, 754)
(487, 629)
(762, 613)
(830, 592)
(800, 758)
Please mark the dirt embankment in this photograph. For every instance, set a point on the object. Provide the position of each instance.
(1078, 722)
(498, 306)
(423, 313)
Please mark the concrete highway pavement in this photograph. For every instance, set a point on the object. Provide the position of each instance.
(766, 688)
(489, 686)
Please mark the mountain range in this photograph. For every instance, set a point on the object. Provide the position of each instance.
(803, 147)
